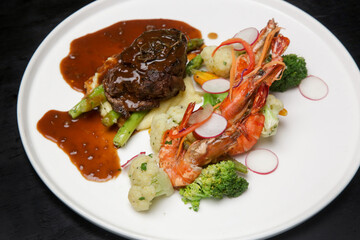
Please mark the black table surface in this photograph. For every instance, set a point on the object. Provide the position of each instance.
(29, 210)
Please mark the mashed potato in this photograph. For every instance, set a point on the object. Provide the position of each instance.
(162, 122)
(182, 99)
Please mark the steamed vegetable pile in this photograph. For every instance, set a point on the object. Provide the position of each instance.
(216, 181)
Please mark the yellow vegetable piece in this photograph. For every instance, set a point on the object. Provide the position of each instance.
(201, 77)
(283, 112)
(190, 56)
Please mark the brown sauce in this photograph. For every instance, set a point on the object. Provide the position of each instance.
(85, 140)
(89, 52)
(212, 35)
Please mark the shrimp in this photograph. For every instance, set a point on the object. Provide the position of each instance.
(171, 154)
(258, 47)
(251, 128)
(242, 111)
(185, 166)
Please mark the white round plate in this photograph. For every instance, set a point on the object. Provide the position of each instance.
(317, 143)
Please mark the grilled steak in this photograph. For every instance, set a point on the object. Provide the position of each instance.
(149, 70)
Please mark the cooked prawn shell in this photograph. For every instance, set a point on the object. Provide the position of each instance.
(242, 111)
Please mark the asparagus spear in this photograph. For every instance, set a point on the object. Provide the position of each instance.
(94, 99)
(240, 167)
(195, 63)
(110, 118)
(128, 128)
(194, 43)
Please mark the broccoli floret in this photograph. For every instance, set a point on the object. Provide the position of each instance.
(216, 181)
(148, 181)
(295, 72)
(271, 111)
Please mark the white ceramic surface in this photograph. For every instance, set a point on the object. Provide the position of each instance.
(317, 143)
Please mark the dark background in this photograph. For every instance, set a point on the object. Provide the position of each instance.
(29, 210)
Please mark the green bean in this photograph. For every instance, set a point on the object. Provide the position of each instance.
(124, 133)
(94, 99)
(110, 118)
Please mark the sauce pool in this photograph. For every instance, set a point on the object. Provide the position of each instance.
(85, 140)
(212, 35)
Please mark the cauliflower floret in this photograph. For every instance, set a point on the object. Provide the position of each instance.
(271, 111)
(220, 64)
(162, 122)
(148, 181)
(140, 197)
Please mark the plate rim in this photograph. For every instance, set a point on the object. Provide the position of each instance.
(317, 207)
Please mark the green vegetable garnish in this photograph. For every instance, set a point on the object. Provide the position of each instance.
(143, 166)
(214, 99)
(194, 44)
(216, 181)
(110, 118)
(124, 133)
(295, 72)
(271, 111)
(195, 63)
(94, 99)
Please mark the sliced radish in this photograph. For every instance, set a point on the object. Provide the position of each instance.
(250, 35)
(215, 86)
(313, 88)
(128, 161)
(261, 161)
(215, 126)
(201, 114)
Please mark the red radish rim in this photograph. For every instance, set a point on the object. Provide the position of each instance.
(197, 136)
(128, 161)
(262, 173)
(246, 29)
(200, 114)
(211, 80)
(314, 99)
(213, 136)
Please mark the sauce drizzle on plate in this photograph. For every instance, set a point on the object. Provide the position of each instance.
(86, 141)
(212, 35)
